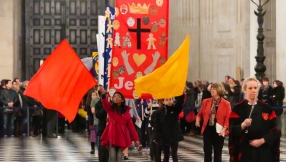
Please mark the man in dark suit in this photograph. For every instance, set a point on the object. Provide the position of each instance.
(2, 86)
(9, 99)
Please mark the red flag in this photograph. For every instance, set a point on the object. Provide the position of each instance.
(61, 82)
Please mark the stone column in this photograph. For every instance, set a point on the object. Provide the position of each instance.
(281, 49)
(280, 40)
(111, 3)
(10, 37)
(6, 39)
(101, 6)
(253, 41)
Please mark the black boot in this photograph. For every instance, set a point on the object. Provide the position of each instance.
(92, 147)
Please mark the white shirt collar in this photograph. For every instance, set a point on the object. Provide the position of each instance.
(255, 103)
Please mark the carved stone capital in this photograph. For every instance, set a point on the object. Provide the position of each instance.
(224, 43)
(270, 42)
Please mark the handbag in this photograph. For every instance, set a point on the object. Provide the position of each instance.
(191, 117)
(181, 115)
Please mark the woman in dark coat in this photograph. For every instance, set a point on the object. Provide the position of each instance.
(166, 127)
(278, 93)
(253, 133)
(207, 92)
(277, 100)
(236, 90)
(189, 106)
(190, 95)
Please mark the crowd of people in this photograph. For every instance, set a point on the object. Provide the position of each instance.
(21, 115)
(14, 112)
(214, 110)
(234, 108)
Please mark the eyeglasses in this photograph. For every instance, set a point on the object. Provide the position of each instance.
(117, 96)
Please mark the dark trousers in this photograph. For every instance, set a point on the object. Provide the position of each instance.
(17, 125)
(155, 149)
(141, 133)
(9, 123)
(25, 121)
(174, 150)
(36, 124)
(52, 117)
(151, 144)
(146, 137)
(44, 123)
(1, 121)
(79, 124)
(61, 125)
(103, 152)
(185, 128)
(192, 124)
(212, 141)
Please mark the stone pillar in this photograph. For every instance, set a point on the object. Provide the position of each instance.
(10, 39)
(253, 41)
(281, 49)
(111, 3)
(101, 6)
(17, 37)
(280, 40)
(6, 39)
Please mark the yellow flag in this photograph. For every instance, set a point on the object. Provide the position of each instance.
(169, 80)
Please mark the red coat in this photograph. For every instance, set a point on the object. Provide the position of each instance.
(222, 115)
(118, 129)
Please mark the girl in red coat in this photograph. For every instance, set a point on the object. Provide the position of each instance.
(117, 133)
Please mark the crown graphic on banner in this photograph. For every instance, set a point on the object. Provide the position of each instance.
(139, 9)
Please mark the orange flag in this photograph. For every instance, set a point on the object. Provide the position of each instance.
(61, 82)
(169, 79)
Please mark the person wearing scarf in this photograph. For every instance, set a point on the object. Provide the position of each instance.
(215, 115)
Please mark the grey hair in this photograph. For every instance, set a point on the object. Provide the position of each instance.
(25, 84)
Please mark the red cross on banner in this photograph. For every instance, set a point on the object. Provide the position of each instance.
(140, 42)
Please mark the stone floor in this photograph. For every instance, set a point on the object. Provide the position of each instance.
(75, 147)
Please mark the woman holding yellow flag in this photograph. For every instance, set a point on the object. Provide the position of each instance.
(167, 128)
(165, 82)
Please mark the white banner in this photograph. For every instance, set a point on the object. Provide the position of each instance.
(100, 46)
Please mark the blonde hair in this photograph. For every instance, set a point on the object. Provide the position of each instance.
(219, 88)
(244, 85)
(25, 84)
(16, 87)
